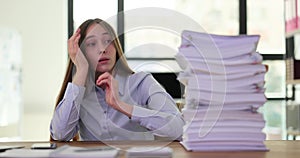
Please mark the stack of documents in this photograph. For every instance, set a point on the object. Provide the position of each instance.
(224, 87)
(149, 152)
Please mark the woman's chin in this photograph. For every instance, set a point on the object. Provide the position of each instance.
(102, 70)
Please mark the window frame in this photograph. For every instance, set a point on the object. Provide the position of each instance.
(242, 30)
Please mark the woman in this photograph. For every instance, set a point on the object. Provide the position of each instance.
(103, 99)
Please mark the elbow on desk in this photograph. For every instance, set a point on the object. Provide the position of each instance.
(175, 135)
(60, 135)
(173, 129)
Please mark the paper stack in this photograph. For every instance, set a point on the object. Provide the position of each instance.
(224, 87)
(149, 152)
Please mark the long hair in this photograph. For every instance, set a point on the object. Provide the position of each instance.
(120, 57)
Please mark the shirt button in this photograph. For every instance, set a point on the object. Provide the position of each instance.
(104, 112)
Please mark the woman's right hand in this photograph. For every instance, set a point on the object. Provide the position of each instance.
(78, 59)
(75, 52)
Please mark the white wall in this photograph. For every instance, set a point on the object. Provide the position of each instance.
(43, 28)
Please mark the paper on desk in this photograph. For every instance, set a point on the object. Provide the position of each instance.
(226, 147)
(229, 115)
(8, 147)
(64, 151)
(147, 152)
(251, 58)
(99, 152)
(26, 153)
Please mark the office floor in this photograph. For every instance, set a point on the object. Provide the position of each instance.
(35, 125)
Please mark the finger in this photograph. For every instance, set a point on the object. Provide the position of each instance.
(102, 81)
(77, 34)
(74, 35)
(70, 47)
(103, 84)
(77, 39)
(105, 75)
(73, 42)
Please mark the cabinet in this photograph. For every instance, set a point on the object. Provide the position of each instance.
(292, 29)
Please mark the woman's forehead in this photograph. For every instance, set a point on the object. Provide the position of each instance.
(98, 30)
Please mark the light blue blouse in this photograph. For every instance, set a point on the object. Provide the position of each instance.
(84, 109)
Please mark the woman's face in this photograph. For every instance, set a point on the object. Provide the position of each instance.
(99, 49)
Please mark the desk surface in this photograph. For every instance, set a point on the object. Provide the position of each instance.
(278, 149)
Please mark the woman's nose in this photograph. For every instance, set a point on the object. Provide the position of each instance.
(102, 51)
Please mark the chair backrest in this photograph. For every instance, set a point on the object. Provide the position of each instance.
(169, 81)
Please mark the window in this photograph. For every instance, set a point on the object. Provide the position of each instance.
(275, 79)
(269, 23)
(297, 46)
(160, 45)
(152, 49)
(91, 9)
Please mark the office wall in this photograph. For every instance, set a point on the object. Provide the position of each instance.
(42, 25)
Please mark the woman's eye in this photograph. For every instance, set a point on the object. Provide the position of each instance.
(91, 44)
(107, 41)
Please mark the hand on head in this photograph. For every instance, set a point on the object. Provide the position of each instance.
(75, 52)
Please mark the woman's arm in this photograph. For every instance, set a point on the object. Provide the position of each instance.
(160, 115)
(107, 82)
(64, 124)
(78, 59)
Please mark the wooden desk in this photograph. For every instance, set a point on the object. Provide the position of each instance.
(278, 149)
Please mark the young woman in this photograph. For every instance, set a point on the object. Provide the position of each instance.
(103, 99)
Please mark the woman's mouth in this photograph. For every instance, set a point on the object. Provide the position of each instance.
(103, 60)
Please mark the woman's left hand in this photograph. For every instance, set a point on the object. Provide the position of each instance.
(107, 82)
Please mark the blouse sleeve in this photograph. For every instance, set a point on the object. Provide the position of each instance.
(64, 123)
(160, 115)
